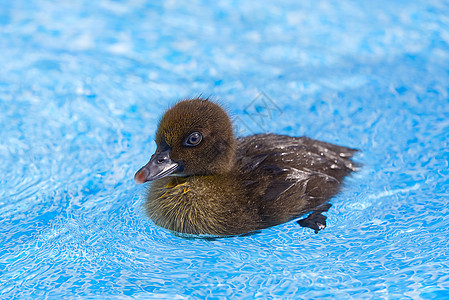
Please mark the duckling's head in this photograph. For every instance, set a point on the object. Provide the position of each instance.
(194, 137)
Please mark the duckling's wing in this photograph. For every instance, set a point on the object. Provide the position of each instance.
(291, 175)
(300, 153)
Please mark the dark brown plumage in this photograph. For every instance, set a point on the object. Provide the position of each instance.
(225, 186)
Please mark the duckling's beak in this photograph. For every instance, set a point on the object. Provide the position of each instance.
(160, 165)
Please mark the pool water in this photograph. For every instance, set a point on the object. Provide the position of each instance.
(83, 85)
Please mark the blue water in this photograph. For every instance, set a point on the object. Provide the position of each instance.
(83, 84)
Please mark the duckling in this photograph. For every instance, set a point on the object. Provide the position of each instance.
(205, 182)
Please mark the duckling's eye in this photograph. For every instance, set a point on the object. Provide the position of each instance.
(193, 139)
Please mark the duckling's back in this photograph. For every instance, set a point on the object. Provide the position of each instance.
(289, 176)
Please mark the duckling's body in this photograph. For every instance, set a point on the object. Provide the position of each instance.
(208, 204)
(229, 187)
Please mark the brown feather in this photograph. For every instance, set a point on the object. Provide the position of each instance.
(231, 187)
